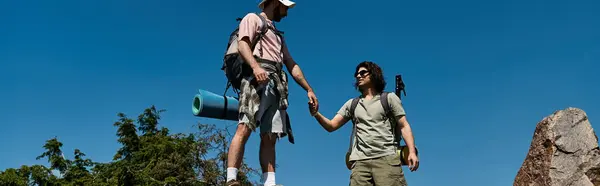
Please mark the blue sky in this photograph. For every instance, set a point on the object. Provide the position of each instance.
(479, 75)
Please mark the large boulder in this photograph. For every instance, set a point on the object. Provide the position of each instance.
(564, 152)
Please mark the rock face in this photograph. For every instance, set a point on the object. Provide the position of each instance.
(564, 152)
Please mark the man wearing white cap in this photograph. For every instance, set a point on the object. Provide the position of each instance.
(263, 95)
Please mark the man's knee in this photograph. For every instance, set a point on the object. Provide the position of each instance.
(268, 139)
(242, 132)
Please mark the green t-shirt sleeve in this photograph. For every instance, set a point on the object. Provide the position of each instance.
(345, 110)
(396, 105)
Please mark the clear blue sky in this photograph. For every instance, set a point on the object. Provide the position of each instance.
(479, 75)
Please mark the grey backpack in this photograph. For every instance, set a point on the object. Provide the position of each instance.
(234, 66)
(403, 149)
(386, 109)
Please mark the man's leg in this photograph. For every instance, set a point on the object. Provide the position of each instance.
(361, 174)
(270, 126)
(236, 150)
(267, 157)
(387, 170)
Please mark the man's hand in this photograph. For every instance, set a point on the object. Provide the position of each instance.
(413, 161)
(260, 74)
(312, 109)
(312, 99)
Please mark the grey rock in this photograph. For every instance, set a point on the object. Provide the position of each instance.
(564, 152)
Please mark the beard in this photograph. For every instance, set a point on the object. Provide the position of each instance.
(277, 16)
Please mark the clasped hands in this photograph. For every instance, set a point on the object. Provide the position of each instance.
(313, 103)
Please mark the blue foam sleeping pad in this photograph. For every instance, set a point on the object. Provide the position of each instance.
(211, 105)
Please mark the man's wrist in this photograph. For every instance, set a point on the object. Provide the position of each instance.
(413, 150)
(254, 66)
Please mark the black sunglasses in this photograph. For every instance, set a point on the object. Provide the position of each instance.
(362, 73)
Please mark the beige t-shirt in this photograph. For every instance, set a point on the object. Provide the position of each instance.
(374, 137)
(273, 46)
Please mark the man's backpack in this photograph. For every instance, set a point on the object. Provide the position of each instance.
(390, 116)
(234, 66)
(386, 108)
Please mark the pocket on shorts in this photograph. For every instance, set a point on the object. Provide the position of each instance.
(392, 174)
(394, 160)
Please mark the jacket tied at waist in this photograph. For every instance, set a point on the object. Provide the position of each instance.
(251, 95)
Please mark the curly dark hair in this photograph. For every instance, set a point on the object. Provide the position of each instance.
(376, 75)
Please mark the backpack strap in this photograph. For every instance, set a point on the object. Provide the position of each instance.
(352, 108)
(264, 27)
(389, 115)
(263, 30)
(388, 112)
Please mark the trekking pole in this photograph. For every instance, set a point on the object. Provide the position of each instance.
(400, 86)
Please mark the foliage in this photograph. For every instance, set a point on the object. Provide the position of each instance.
(153, 157)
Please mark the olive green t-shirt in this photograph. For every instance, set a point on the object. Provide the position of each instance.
(374, 137)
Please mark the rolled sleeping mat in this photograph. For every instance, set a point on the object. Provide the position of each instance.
(211, 105)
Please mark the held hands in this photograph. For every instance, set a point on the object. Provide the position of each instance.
(313, 103)
(413, 161)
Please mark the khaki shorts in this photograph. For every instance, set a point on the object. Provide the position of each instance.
(383, 171)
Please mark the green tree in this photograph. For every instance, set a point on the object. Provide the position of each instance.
(16, 177)
(154, 157)
(41, 175)
(148, 121)
(127, 137)
(54, 155)
(78, 169)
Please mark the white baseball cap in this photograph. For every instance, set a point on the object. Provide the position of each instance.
(287, 3)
